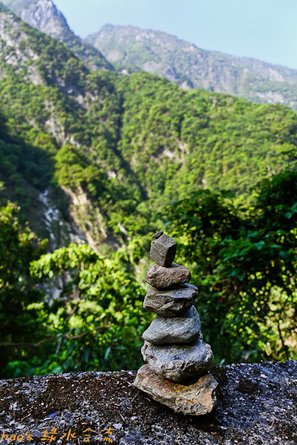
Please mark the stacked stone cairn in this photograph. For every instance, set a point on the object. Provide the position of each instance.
(178, 360)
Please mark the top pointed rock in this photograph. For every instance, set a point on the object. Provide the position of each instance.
(163, 249)
(158, 234)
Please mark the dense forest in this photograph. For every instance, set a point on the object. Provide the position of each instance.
(121, 157)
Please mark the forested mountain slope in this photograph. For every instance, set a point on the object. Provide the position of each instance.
(117, 148)
(44, 16)
(185, 64)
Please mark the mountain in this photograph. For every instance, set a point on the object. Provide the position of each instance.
(44, 16)
(183, 63)
(99, 154)
(134, 49)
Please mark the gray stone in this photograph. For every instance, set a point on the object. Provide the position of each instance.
(166, 277)
(170, 331)
(170, 302)
(163, 249)
(157, 234)
(178, 363)
(196, 399)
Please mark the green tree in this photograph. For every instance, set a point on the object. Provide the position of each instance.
(97, 321)
(19, 328)
(245, 262)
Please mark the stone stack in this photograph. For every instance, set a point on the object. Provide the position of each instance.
(178, 360)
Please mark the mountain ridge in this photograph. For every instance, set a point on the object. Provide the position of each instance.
(132, 49)
(111, 26)
(160, 53)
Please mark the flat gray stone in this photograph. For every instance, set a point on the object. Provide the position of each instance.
(166, 277)
(176, 330)
(163, 249)
(196, 399)
(178, 363)
(158, 234)
(170, 302)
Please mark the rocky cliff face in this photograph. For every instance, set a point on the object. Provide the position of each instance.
(45, 16)
(187, 65)
(256, 405)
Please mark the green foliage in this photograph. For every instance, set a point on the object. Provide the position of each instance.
(245, 260)
(180, 141)
(97, 320)
(18, 324)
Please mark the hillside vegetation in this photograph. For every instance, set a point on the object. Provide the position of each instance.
(120, 157)
(131, 143)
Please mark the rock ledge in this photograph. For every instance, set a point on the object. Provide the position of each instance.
(256, 405)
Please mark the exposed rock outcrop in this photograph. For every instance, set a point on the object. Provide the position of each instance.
(46, 17)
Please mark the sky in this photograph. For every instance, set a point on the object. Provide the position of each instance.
(263, 29)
